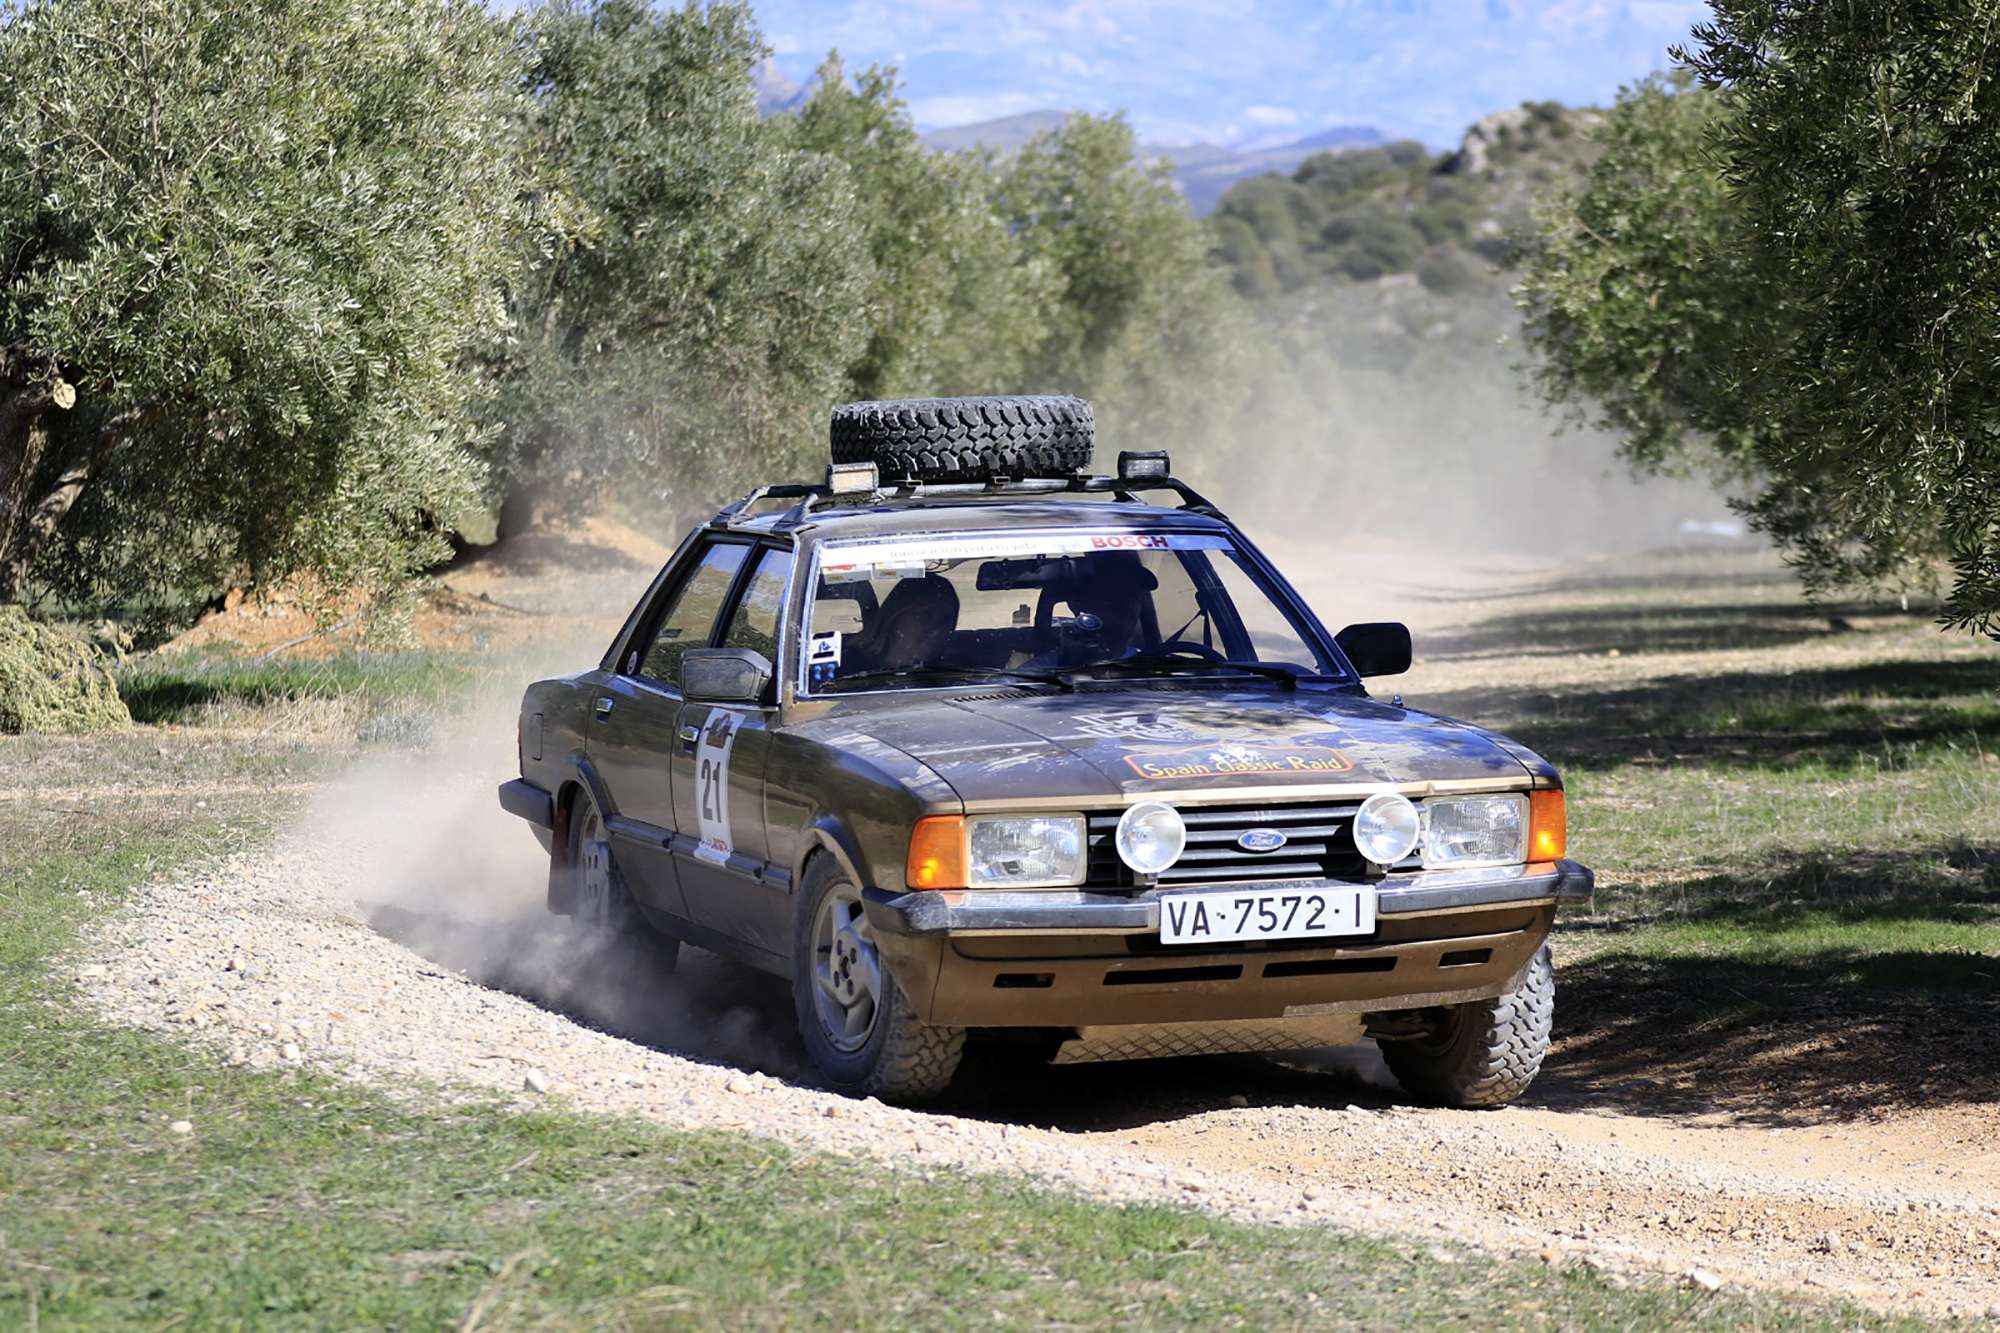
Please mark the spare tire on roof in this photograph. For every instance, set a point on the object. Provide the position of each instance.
(966, 439)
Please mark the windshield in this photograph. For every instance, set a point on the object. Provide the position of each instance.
(911, 611)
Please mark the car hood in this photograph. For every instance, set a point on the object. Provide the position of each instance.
(1000, 747)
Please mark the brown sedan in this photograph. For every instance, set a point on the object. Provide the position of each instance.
(1047, 756)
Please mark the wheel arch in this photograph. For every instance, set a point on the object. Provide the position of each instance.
(828, 835)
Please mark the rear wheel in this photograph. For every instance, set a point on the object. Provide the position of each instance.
(602, 907)
(1485, 1053)
(857, 1024)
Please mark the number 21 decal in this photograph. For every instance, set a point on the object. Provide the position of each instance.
(711, 785)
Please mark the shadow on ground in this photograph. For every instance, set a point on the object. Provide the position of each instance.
(1806, 1042)
(1791, 1034)
(1653, 629)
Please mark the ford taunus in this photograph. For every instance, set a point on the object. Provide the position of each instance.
(968, 739)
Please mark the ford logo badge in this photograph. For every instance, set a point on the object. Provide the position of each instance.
(1261, 840)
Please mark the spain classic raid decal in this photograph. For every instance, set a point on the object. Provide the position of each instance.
(711, 784)
(1214, 759)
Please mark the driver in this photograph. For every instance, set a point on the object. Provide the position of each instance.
(1112, 590)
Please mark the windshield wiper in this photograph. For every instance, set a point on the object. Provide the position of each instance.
(948, 669)
(1184, 660)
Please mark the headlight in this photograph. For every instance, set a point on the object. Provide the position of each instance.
(1151, 836)
(1386, 828)
(1462, 832)
(1023, 851)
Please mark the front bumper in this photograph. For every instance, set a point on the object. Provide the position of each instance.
(1070, 959)
(927, 912)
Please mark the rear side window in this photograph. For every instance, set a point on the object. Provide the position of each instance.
(755, 624)
(689, 620)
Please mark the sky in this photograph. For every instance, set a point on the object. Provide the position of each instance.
(1237, 72)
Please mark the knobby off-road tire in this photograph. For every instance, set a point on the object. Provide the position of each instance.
(1485, 1053)
(605, 916)
(857, 1024)
(966, 439)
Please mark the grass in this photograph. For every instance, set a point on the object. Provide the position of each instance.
(298, 1201)
(193, 689)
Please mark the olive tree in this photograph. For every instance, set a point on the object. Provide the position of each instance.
(242, 250)
(952, 304)
(1794, 269)
(687, 310)
(1146, 323)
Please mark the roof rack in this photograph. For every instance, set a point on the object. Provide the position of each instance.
(853, 489)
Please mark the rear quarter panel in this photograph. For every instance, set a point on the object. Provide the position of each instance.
(554, 713)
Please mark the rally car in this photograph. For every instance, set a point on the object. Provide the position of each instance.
(969, 740)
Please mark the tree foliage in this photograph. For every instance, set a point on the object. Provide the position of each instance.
(693, 296)
(1145, 325)
(280, 282)
(1641, 283)
(952, 304)
(1825, 312)
(242, 248)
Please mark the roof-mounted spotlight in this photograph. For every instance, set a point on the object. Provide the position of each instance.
(853, 478)
(1142, 465)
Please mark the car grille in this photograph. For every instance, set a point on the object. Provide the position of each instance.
(1319, 843)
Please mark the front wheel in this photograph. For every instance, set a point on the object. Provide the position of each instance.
(858, 1026)
(1485, 1053)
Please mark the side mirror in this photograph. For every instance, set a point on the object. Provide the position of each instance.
(1379, 648)
(724, 675)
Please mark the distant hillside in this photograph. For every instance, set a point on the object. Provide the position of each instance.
(1001, 136)
(1203, 171)
(1399, 209)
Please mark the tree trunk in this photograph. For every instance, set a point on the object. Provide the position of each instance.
(26, 396)
(32, 397)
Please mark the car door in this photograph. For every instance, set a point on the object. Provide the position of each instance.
(632, 730)
(723, 849)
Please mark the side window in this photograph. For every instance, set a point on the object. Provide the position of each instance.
(755, 624)
(690, 617)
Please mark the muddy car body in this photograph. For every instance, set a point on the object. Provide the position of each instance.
(870, 738)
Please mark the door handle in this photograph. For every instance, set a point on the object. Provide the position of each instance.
(690, 734)
(604, 706)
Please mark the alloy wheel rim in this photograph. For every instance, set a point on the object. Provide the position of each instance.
(847, 972)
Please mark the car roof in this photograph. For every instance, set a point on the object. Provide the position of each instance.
(894, 517)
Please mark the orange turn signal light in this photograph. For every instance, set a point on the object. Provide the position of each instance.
(1548, 826)
(937, 853)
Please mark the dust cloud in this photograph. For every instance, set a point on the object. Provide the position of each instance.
(432, 861)
(1386, 417)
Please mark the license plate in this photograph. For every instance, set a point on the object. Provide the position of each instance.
(1266, 912)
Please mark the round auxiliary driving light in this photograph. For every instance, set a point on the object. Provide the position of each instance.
(1386, 828)
(1150, 837)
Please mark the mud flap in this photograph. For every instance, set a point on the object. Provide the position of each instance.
(562, 882)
